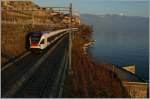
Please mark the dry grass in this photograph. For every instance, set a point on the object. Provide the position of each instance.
(90, 79)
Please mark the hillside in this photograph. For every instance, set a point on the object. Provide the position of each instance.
(18, 21)
(19, 5)
(88, 79)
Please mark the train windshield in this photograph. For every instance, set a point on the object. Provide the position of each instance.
(35, 38)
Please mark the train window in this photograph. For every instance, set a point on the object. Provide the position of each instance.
(42, 42)
(35, 37)
(54, 37)
(49, 39)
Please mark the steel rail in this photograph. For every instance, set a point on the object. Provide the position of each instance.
(13, 62)
(18, 84)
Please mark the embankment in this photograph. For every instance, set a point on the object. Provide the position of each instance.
(17, 21)
(88, 79)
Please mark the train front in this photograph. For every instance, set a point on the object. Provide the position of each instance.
(36, 41)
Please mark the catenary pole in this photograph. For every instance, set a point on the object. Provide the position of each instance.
(70, 37)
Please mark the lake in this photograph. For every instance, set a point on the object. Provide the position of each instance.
(121, 45)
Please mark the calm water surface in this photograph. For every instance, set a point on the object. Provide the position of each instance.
(122, 48)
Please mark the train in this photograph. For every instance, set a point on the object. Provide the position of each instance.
(41, 40)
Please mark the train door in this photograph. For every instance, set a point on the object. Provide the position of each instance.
(43, 44)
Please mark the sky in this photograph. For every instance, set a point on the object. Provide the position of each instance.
(101, 7)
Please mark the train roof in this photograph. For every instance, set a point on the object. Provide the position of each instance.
(51, 33)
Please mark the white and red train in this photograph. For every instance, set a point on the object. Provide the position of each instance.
(41, 40)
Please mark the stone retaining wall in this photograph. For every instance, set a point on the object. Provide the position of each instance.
(136, 89)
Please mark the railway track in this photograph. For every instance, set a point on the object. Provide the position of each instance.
(34, 75)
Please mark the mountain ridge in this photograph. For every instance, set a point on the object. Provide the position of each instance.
(117, 23)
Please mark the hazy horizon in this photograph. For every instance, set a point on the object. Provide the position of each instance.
(111, 14)
(127, 7)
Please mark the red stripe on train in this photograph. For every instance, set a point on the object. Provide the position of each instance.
(34, 44)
